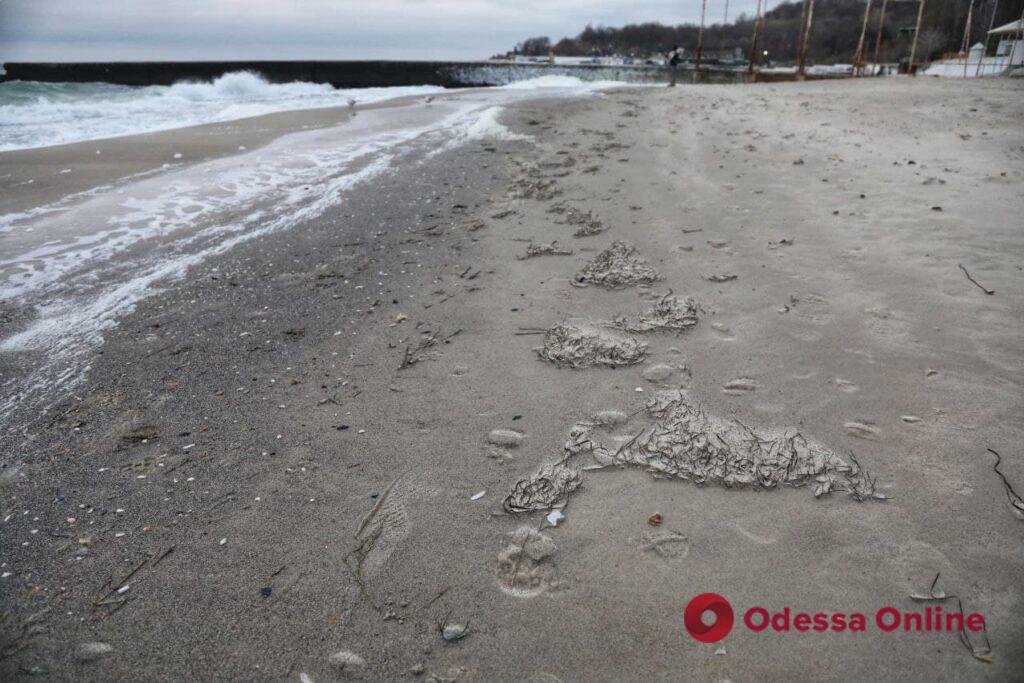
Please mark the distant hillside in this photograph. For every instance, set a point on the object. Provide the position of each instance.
(837, 25)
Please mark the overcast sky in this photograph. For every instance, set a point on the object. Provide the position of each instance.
(69, 30)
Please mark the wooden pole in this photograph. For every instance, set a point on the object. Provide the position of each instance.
(1008, 62)
(753, 40)
(991, 23)
(1013, 48)
(806, 42)
(917, 31)
(858, 58)
(878, 33)
(800, 28)
(725, 19)
(965, 44)
(700, 34)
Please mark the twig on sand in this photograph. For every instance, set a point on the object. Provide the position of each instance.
(413, 353)
(981, 651)
(980, 286)
(1015, 500)
(437, 597)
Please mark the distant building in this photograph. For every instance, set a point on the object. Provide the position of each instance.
(1010, 43)
(1007, 60)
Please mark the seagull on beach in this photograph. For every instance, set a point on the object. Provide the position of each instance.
(428, 99)
(351, 103)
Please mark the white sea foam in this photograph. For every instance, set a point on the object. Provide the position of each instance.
(42, 114)
(90, 259)
(80, 283)
(563, 82)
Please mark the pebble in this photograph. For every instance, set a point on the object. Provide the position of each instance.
(90, 652)
(658, 373)
(343, 660)
(452, 632)
(509, 438)
(610, 418)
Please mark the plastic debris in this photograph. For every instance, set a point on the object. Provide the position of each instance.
(477, 496)
(554, 517)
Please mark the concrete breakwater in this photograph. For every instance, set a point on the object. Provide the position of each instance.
(350, 74)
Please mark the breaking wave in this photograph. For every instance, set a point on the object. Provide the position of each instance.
(34, 114)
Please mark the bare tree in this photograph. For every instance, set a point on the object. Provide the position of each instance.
(535, 47)
(932, 40)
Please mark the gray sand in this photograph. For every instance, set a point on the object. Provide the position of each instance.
(295, 501)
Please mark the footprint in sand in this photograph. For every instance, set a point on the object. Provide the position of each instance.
(525, 567)
(845, 385)
(668, 545)
(811, 307)
(383, 528)
(886, 322)
(740, 386)
(723, 331)
(863, 430)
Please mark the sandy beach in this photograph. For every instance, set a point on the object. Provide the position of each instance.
(332, 451)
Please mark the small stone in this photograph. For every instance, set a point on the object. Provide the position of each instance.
(90, 652)
(417, 670)
(658, 373)
(509, 438)
(610, 418)
(343, 660)
(453, 632)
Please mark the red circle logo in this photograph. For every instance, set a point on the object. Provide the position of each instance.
(717, 605)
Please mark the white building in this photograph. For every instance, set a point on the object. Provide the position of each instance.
(1011, 43)
(1008, 58)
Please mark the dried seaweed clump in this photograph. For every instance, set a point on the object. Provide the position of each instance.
(680, 441)
(531, 184)
(685, 443)
(548, 488)
(586, 224)
(620, 265)
(582, 345)
(544, 250)
(670, 313)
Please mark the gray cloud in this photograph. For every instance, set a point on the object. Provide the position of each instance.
(56, 30)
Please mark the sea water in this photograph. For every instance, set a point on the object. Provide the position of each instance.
(34, 114)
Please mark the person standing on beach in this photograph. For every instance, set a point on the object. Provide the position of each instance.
(674, 56)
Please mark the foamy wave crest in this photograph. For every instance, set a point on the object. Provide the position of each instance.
(43, 114)
(560, 81)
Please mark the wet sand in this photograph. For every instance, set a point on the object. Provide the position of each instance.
(280, 456)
